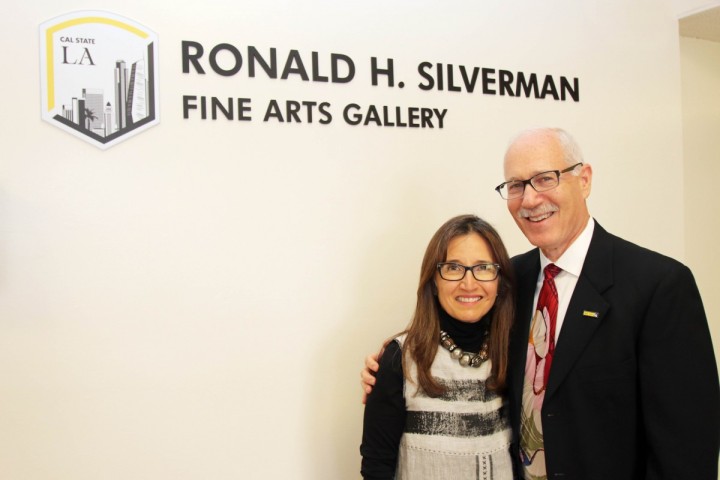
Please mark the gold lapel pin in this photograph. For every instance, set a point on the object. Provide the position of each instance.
(588, 313)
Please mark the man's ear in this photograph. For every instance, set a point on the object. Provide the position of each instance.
(586, 179)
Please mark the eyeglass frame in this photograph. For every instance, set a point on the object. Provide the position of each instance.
(496, 265)
(529, 181)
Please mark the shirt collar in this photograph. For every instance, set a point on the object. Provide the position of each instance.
(572, 260)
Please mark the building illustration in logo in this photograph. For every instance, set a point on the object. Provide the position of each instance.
(99, 78)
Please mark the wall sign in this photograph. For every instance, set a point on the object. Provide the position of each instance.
(99, 76)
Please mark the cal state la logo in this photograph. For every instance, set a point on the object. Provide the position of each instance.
(99, 76)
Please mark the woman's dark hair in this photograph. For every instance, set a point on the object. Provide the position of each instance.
(423, 334)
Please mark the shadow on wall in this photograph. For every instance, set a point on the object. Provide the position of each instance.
(384, 307)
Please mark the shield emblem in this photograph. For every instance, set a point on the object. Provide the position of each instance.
(99, 76)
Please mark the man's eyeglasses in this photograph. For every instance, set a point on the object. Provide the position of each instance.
(542, 182)
(454, 272)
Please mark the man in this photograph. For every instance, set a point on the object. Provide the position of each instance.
(621, 381)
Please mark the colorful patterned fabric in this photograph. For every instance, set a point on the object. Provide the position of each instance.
(541, 347)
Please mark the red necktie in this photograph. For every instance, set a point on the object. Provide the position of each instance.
(541, 348)
(548, 299)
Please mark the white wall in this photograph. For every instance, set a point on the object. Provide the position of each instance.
(700, 62)
(195, 302)
(684, 8)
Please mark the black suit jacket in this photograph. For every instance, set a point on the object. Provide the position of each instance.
(633, 393)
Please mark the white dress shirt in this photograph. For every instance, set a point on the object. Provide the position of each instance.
(571, 263)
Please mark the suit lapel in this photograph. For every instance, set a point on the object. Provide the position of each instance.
(586, 310)
(577, 330)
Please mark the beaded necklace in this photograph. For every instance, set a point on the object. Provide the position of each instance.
(465, 358)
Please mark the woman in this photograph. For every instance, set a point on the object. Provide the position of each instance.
(437, 410)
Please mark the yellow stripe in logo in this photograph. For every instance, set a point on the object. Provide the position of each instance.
(72, 23)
